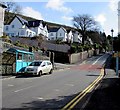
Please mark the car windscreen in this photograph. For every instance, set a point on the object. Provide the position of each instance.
(35, 64)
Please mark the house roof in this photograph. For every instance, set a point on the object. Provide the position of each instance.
(34, 23)
(54, 29)
(12, 16)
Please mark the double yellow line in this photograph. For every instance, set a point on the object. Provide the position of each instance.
(77, 99)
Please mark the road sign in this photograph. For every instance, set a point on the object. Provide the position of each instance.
(116, 54)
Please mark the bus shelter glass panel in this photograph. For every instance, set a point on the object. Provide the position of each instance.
(23, 60)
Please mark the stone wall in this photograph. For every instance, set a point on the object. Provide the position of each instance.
(76, 57)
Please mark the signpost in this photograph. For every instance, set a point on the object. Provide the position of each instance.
(117, 55)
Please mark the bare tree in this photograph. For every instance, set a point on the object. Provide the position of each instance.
(10, 6)
(84, 23)
(17, 9)
(13, 7)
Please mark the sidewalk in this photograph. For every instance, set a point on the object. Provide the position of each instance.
(107, 95)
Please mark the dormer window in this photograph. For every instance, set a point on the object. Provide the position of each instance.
(13, 26)
(33, 23)
(7, 28)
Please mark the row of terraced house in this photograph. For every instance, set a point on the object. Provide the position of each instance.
(21, 27)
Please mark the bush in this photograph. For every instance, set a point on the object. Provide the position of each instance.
(6, 39)
(73, 49)
(80, 48)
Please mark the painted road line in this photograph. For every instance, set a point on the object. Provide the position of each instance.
(72, 101)
(97, 60)
(77, 99)
(23, 89)
(8, 78)
(89, 90)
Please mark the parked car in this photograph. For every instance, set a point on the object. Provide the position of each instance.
(39, 67)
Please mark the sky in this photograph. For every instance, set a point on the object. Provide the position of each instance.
(62, 11)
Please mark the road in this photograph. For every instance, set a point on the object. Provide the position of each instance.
(51, 91)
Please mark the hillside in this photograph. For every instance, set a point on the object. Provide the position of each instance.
(9, 16)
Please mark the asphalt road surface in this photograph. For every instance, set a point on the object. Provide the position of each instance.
(51, 91)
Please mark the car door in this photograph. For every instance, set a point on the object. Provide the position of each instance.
(49, 66)
(44, 67)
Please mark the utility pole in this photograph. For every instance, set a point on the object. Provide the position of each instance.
(112, 39)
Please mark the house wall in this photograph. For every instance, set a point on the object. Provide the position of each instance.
(13, 31)
(1, 20)
(61, 34)
(70, 36)
(39, 30)
(52, 36)
(45, 31)
(26, 32)
(77, 37)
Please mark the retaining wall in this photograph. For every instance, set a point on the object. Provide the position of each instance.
(76, 57)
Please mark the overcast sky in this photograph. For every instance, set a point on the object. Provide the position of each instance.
(62, 11)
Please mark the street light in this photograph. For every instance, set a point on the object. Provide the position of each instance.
(112, 38)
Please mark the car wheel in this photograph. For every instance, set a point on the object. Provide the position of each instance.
(40, 73)
(51, 71)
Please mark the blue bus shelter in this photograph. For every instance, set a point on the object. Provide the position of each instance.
(23, 58)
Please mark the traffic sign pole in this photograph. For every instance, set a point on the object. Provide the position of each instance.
(117, 63)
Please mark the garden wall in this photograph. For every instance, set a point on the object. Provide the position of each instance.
(76, 57)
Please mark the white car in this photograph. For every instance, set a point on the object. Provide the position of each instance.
(39, 67)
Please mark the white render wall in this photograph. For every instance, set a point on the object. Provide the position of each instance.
(77, 37)
(52, 37)
(60, 33)
(1, 20)
(13, 31)
(70, 36)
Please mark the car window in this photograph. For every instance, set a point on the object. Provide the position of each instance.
(35, 64)
(48, 63)
(44, 63)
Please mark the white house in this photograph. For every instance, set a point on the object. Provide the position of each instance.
(69, 36)
(2, 9)
(23, 28)
(77, 37)
(57, 33)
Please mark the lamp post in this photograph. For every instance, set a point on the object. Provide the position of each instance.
(112, 38)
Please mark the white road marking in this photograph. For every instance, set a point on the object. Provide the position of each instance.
(84, 62)
(57, 90)
(23, 89)
(8, 78)
(70, 85)
(97, 60)
(40, 98)
(10, 85)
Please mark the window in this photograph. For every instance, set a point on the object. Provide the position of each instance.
(51, 34)
(22, 32)
(30, 34)
(12, 34)
(48, 63)
(35, 64)
(60, 34)
(27, 32)
(52, 38)
(7, 28)
(19, 56)
(13, 26)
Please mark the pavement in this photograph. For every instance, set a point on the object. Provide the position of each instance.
(107, 95)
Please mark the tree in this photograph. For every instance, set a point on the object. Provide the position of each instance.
(13, 7)
(84, 23)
